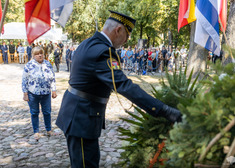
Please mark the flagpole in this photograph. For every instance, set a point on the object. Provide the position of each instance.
(225, 38)
(4, 14)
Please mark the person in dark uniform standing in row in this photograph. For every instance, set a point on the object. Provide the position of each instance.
(4, 49)
(57, 57)
(67, 57)
(29, 50)
(50, 48)
(94, 74)
(61, 45)
(12, 50)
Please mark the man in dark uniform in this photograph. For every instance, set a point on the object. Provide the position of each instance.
(12, 50)
(164, 55)
(68, 52)
(50, 48)
(57, 57)
(61, 45)
(4, 49)
(95, 73)
(28, 51)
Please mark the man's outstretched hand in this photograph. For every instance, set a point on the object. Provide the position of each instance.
(170, 113)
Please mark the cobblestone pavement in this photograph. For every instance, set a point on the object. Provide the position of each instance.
(18, 148)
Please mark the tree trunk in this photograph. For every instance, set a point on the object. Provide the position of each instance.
(141, 30)
(176, 40)
(153, 41)
(197, 55)
(169, 38)
(230, 31)
(148, 43)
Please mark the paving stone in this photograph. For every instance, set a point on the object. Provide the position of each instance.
(60, 153)
(19, 150)
(49, 155)
(24, 155)
(114, 154)
(20, 158)
(39, 154)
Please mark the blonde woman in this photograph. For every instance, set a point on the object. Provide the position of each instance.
(38, 81)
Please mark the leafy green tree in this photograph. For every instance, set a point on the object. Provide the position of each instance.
(154, 17)
(15, 11)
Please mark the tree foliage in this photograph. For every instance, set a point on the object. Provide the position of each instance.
(15, 11)
(155, 19)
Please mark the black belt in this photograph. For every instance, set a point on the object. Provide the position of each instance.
(88, 96)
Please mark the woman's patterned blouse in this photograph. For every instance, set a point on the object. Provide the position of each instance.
(38, 78)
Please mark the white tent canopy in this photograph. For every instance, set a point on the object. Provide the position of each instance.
(17, 30)
(14, 30)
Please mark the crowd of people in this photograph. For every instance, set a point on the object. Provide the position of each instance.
(22, 54)
(53, 52)
(153, 59)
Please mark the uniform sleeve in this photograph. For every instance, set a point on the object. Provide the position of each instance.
(125, 86)
(25, 79)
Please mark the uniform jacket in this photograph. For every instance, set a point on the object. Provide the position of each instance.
(91, 73)
(12, 48)
(4, 49)
(29, 50)
(68, 52)
(57, 53)
(50, 48)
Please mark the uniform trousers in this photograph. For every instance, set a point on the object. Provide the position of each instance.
(57, 63)
(83, 153)
(12, 56)
(5, 58)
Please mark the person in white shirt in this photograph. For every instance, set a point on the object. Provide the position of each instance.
(183, 55)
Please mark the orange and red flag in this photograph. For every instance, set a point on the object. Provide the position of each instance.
(37, 18)
(186, 13)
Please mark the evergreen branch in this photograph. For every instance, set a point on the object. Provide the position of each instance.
(180, 75)
(132, 122)
(131, 140)
(154, 91)
(190, 77)
(185, 70)
(135, 116)
(175, 93)
(194, 82)
(143, 114)
(123, 129)
(216, 138)
(136, 142)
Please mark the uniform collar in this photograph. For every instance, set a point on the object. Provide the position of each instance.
(106, 37)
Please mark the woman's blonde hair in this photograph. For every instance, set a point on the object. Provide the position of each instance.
(37, 50)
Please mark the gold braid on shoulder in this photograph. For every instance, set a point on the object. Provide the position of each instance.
(114, 85)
